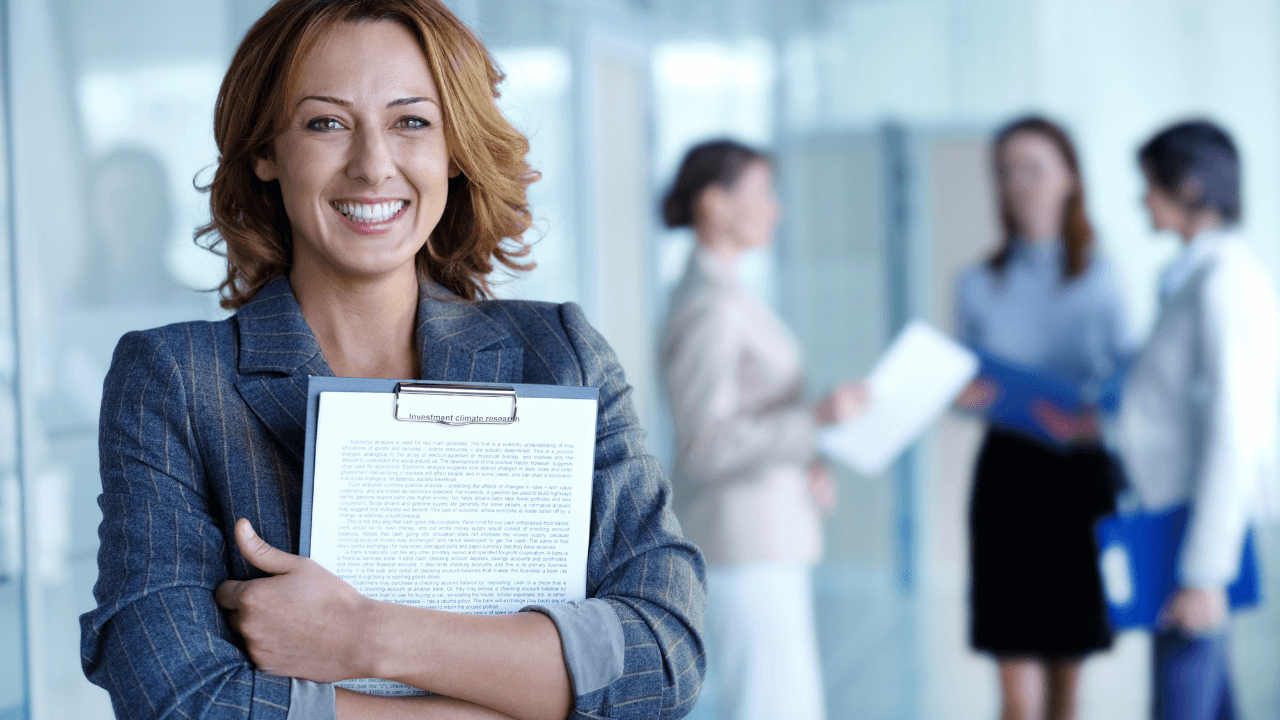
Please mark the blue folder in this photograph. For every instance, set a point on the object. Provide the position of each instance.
(1139, 559)
(1018, 388)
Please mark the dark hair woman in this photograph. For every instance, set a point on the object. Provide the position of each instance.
(748, 490)
(1198, 422)
(1047, 303)
(366, 186)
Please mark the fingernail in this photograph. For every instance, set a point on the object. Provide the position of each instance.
(249, 530)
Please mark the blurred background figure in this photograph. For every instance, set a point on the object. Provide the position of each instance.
(130, 227)
(1199, 417)
(1047, 302)
(748, 489)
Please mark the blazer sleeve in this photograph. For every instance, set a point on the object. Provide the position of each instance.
(638, 560)
(1237, 391)
(717, 440)
(157, 640)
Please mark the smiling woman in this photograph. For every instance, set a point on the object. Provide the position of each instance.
(485, 154)
(367, 185)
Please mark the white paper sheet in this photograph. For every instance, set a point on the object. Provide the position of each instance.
(913, 383)
(475, 518)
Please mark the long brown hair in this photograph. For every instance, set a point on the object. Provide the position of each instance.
(1077, 233)
(487, 211)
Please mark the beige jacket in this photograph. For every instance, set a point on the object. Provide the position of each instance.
(744, 435)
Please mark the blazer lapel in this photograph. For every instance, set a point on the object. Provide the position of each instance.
(278, 354)
(459, 343)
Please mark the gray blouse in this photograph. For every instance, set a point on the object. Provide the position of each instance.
(1028, 314)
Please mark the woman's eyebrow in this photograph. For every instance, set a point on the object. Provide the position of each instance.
(410, 101)
(322, 98)
(347, 103)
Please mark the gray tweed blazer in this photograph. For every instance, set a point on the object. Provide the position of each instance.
(203, 423)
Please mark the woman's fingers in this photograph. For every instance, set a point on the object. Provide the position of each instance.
(845, 401)
(228, 594)
(857, 396)
(261, 555)
(822, 487)
(977, 395)
(303, 622)
(1196, 610)
(1065, 426)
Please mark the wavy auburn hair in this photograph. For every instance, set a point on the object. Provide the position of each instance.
(487, 211)
(1077, 233)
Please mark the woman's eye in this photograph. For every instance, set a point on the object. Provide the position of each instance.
(324, 124)
(413, 123)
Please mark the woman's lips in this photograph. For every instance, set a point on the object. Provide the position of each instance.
(369, 227)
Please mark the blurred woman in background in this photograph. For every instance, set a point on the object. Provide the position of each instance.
(747, 488)
(1046, 303)
(1199, 417)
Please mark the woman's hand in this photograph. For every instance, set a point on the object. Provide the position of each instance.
(352, 705)
(1197, 611)
(978, 395)
(1066, 427)
(823, 488)
(842, 403)
(304, 622)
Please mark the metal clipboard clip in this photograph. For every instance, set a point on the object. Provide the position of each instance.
(455, 404)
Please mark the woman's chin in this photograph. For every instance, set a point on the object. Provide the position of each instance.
(366, 269)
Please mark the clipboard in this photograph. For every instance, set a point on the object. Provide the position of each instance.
(419, 389)
(471, 498)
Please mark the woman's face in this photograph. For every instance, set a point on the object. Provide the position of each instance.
(748, 211)
(1037, 183)
(1167, 213)
(362, 164)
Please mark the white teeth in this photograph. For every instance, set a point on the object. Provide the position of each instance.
(360, 212)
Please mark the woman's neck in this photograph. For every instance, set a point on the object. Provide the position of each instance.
(365, 326)
(720, 245)
(1198, 224)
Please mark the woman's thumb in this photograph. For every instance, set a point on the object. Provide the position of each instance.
(259, 553)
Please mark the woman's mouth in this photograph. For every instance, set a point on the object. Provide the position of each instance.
(368, 218)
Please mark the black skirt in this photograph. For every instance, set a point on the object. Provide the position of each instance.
(1035, 586)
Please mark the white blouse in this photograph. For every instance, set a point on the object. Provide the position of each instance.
(1201, 410)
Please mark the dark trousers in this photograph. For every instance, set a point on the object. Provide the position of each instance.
(1192, 677)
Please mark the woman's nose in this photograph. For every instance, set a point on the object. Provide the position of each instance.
(372, 160)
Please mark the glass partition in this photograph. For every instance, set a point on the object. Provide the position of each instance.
(13, 671)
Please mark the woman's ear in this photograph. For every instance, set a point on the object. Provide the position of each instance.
(1191, 192)
(454, 170)
(709, 209)
(265, 169)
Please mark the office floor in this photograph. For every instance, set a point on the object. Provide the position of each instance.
(889, 657)
(886, 657)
